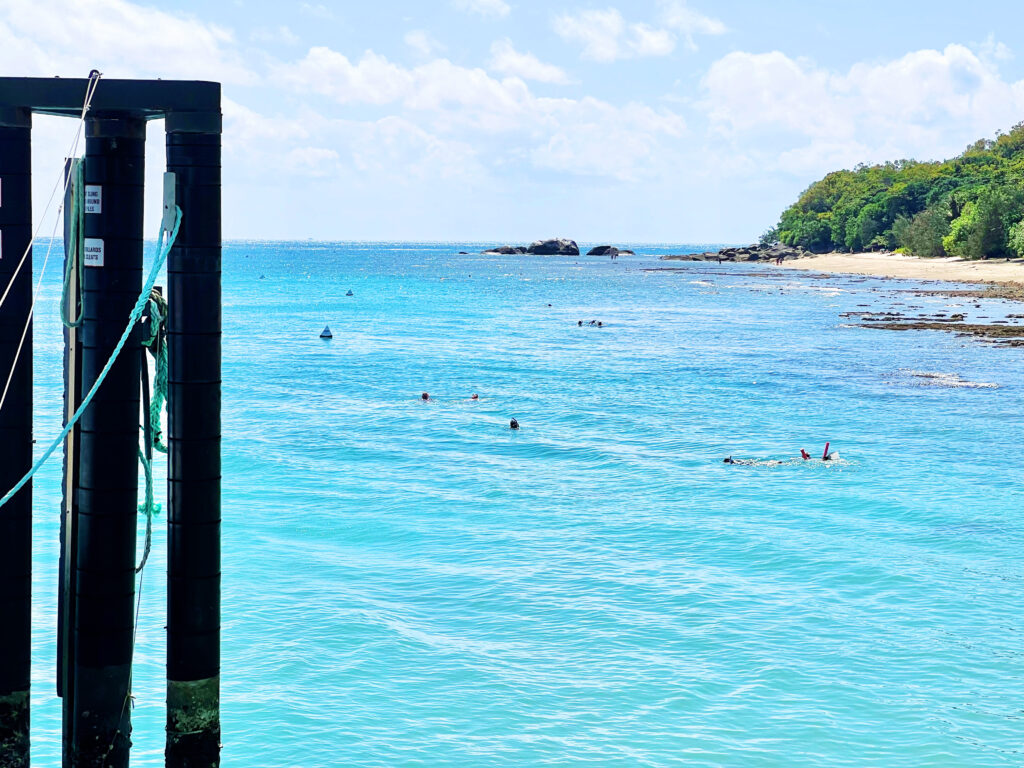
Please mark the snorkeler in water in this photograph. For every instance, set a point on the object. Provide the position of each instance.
(753, 462)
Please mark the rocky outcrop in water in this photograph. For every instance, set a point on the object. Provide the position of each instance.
(554, 247)
(608, 250)
(749, 253)
(559, 246)
(505, 250)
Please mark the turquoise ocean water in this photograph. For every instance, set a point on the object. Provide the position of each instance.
(414, 584)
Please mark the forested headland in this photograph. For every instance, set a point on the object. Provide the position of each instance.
(971, 206)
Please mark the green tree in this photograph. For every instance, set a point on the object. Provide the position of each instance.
(982, 229)
(769, 236)
(955, 243)
(1015, 240)
(922, 235)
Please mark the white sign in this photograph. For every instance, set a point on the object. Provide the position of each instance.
(93, 198)
(170, 211)
(93, 252)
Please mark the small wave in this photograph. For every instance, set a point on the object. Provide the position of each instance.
(946, 380)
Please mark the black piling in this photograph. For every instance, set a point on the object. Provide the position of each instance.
(109, 440)
(15, 437)
(194, 462)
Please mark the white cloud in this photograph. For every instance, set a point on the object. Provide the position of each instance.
(606, 35)
(597, 139)
(646, 40)
(492, 8)
(436, 85)
(927, 104)
(402, 151)
(601, 33)
(679, 16)
(585, 136)
(995, 50)
(244, 126)
(280, 34)
(373, 80)
(312, 161)
(119, 38)
(316, 11)
(423, 42)
(508, 61)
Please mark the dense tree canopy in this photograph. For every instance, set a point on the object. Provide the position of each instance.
(971, 206)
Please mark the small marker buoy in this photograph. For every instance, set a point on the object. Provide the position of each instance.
(349, 293)
(326, 333)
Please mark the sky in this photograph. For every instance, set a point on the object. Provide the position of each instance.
(677, 121)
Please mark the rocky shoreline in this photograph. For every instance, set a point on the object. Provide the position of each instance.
(1002, 332)
(775, 252)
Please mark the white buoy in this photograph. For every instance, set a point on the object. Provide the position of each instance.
(326, 333)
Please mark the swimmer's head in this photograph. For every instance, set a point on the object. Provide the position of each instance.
(475, 397)
(513, 424)
(425, 396)
(804, 454)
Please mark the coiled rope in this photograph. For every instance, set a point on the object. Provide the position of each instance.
(157, 343)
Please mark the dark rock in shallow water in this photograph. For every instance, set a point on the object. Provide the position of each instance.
(554, 247)
(609, 250)
(747, 253)
(505, 250)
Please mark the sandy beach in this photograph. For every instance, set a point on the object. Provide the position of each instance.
(898, 265)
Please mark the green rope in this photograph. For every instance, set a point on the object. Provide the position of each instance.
(157, 343)
(149, 508)
(76, 247)
(140, 305)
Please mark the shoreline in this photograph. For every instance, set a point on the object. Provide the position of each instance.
(1002, 272)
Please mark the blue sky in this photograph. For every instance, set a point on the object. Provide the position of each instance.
(508, 120)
